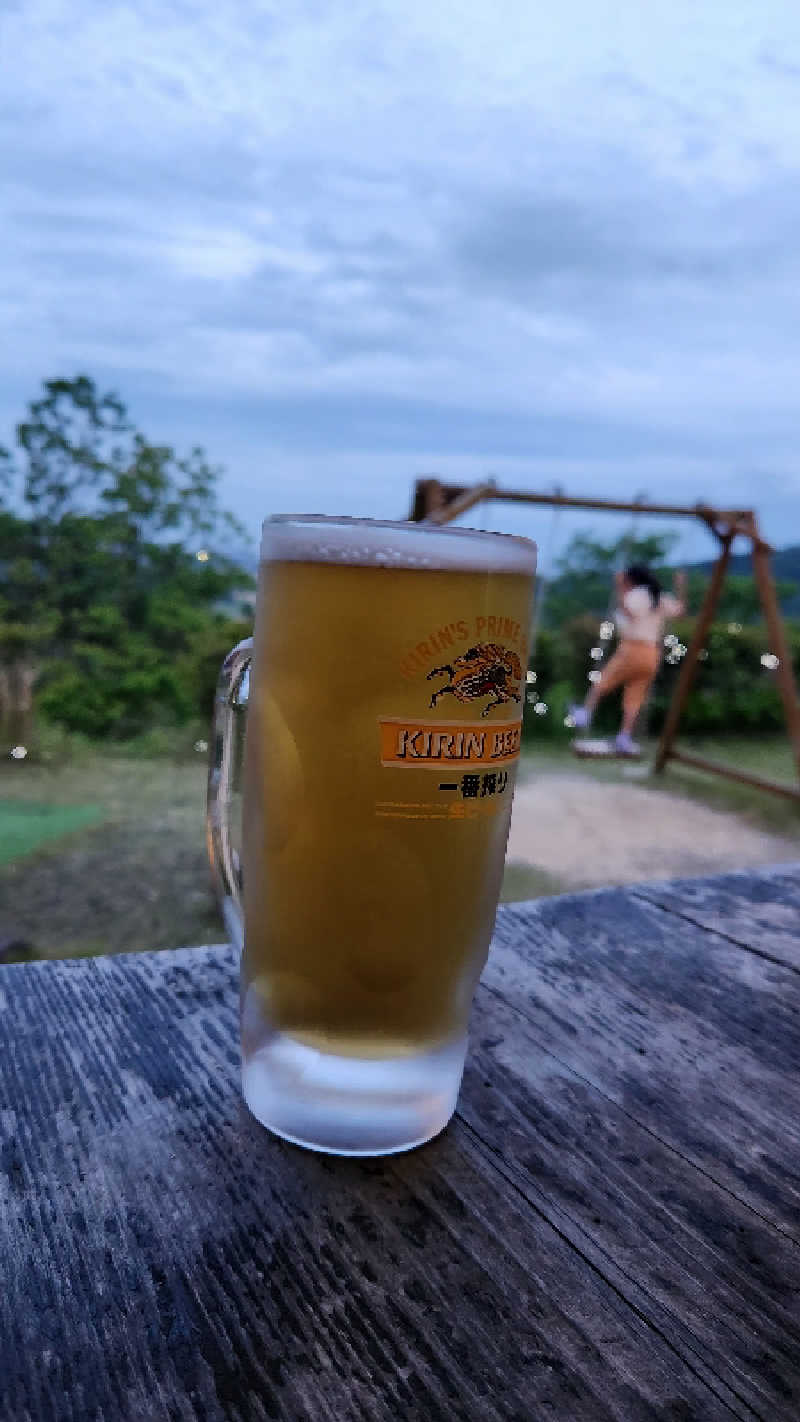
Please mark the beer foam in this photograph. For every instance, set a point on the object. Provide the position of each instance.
(372, 544)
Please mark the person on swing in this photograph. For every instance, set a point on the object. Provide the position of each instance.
(642, 612)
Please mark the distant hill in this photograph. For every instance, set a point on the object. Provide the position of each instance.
(785, 568)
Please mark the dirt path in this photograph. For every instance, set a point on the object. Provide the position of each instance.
(586, 834)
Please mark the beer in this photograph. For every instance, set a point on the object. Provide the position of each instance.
(382, 739)
(384, 717)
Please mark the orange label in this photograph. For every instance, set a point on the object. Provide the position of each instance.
(435, 743)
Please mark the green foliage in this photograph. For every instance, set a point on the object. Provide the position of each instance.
(561, 663)
(739, 601)
(584, 581)
(101, 588)
(733, 694)
(28, 620)
(199, 668)
(114, 690)
(785, 569)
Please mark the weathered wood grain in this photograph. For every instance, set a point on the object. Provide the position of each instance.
(721, 1285)
(558, 1253)
(758, 911)
(697, 1039)
(166, 1258)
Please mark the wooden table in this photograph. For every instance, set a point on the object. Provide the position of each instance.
(608, 1229)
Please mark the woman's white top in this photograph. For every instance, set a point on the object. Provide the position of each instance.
(638, 621)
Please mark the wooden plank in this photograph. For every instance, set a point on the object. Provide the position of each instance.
(461, 503)
(730, 772)
(601, 750)
(691, 661)
(739, 519)
(759, 911)
(694, 1038)
(720, 1283)
(166, 1260)
(778, 642)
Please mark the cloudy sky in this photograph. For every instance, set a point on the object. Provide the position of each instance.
(342, 244)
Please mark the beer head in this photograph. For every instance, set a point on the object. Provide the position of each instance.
(359, 542)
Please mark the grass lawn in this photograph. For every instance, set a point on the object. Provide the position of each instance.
(771, 759)
(527, 881)
(24, 827)
(137, 878)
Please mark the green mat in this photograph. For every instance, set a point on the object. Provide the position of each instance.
(24, 827)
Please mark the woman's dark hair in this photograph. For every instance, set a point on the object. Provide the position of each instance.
(641, 577)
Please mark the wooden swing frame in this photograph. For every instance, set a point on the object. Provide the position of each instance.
(435, 502)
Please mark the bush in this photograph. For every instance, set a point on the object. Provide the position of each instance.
(561, 663)
(120, 689)
(733, 693)
(201, 665)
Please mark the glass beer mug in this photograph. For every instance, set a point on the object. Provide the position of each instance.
(384, 687)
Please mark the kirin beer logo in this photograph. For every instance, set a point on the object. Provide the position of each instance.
(484, 670)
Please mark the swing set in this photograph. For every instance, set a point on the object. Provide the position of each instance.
(435, 502)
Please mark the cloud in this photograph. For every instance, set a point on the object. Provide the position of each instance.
(414, 238)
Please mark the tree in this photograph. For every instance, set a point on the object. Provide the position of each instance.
(27, 625)
(583, 584)
(103, 596)
(739, 601)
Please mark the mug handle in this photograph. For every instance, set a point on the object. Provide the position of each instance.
(233, 690)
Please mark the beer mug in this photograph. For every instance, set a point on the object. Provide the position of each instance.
(384, 687)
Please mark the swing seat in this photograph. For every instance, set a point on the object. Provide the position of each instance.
(601, 750)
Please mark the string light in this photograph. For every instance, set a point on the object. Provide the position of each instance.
(201, 746)
(569, 722)
(530, 677)
(541, 708)
(594, 676)
(202, 555)
(734, 628)
(18, 752)
(770, 661)
(670, 640)
(703, 655)
(606, 631)
(531, 697)
(597, 654)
